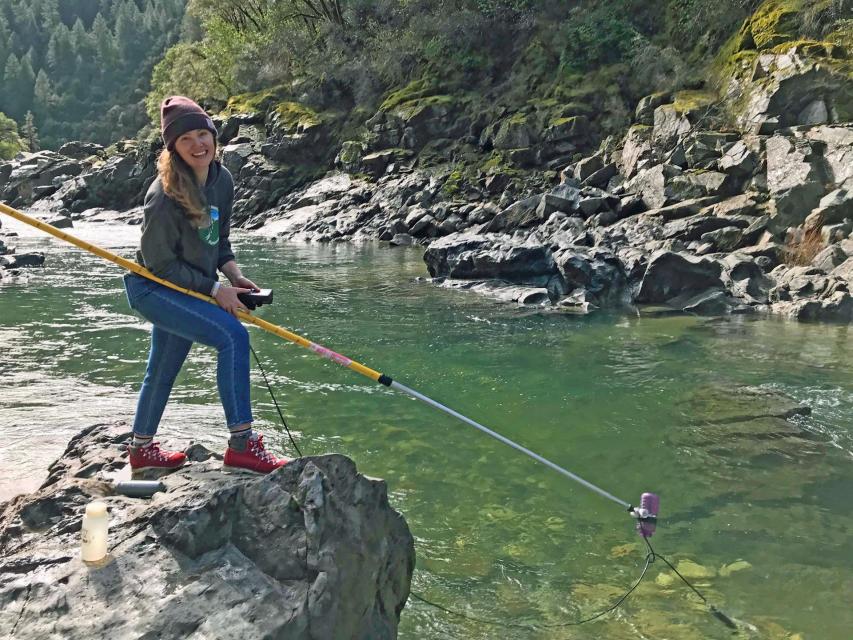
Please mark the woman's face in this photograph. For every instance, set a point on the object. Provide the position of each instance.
(196, 148)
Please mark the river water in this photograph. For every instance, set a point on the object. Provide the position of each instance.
(756, 512)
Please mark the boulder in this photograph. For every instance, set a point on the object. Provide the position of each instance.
(738, 160)
(22, 260)
(834, 208)
(349, 157)
(698, 184)
(794, 179)
(602, 177)
(81, 150)
(827, 259)
(637, 150)
(588, 166)
(645, 111)
(235, 156)
(685, 208)
(836, 148)
(670, 125)
(671, 274)
(599, 274)
(514, 133)
(311, 551)
(653, 184)
(746, 279)
(488, 256)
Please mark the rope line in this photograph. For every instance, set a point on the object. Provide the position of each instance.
(275, 402)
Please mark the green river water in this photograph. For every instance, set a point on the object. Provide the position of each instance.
(631, 403)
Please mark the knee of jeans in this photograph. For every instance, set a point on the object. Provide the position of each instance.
(238, 336)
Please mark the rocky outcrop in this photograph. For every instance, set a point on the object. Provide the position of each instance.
(311, 551)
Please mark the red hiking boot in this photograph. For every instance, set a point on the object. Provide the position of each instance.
(153, 457)
(254, 457)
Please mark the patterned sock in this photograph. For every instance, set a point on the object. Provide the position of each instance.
(240, 438)
(141, 441)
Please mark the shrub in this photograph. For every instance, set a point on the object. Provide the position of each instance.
(10, 142)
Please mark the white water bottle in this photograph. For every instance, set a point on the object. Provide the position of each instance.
(93, 534)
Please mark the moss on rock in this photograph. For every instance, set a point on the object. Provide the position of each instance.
(292, 115)
(774, 22)
(256, 101)
(691, 101)
(415, 90)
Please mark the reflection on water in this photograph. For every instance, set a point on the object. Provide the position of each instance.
(631, 403)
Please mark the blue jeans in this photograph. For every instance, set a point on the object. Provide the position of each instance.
(179, 320)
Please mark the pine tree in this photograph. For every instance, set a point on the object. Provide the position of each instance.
(10, 99)
(29, 133)
(43, 97)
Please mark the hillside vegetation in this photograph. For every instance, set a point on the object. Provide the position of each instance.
(91, 70)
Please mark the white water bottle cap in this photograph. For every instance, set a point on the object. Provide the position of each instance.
(96, 509)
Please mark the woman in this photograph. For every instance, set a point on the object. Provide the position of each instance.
(185, 240)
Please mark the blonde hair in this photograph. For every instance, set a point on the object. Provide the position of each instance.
(179, 183)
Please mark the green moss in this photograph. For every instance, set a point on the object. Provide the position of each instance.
(775, 22)
(292, 115)
(257, 101)
(843, 35)
(410, 109)
(415, 90)
(453, 185)
(691, 101)
(494, 164)
(516, 118)
(812, 49)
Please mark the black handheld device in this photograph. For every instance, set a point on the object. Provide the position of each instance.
(255, 298)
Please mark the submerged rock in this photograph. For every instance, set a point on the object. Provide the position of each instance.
(312, 551)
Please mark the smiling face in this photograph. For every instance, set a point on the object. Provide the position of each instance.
(196, 148)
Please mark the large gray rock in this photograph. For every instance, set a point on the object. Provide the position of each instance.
(834, 208)
(599, 274)
(738, 160)
(637, 150)
(486, 256)
(645, 111)
(698, 184)
(654, 184)
(836, 143)
(310, 552)
(671, 274)
(670, 125)
(794, 179)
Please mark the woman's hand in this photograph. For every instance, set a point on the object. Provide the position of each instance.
(243, 281)
(227, 298)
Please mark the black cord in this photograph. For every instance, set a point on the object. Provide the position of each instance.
(275, 402)
(650, 557)
(719, 615)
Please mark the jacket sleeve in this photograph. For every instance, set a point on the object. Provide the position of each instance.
(159, 246)
(226, 254)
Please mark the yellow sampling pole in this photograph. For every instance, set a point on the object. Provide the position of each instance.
(320, 350)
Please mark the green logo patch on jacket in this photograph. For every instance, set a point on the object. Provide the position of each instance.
(210, 233)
